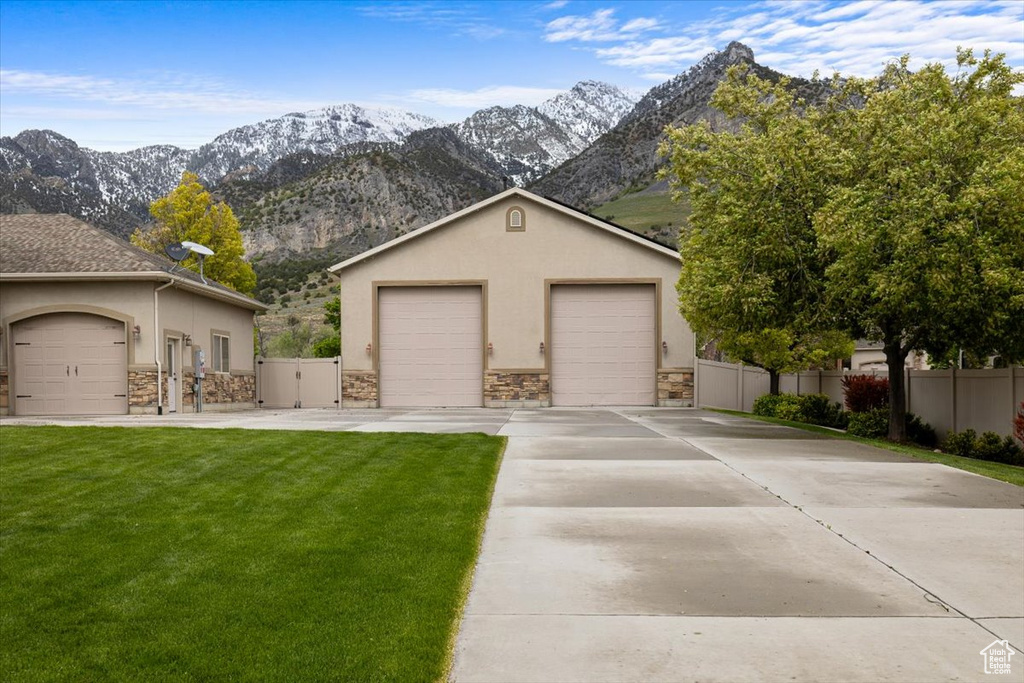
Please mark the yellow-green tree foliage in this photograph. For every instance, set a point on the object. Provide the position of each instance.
(893, 211)
(752, 277)
(925, 233)
(189, 214)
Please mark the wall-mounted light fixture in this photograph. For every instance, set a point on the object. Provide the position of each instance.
(187, 339)
(542, 348)
(490, 348)
(369, 349)
(137, 332)
(664, 347)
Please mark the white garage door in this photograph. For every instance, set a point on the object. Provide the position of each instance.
(603, 345)
(70, 364)
(430, 346)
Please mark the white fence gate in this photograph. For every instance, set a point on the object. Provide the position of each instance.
(298, 382)
(948, 400)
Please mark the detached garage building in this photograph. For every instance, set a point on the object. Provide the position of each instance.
(91, 325)
(514, 301)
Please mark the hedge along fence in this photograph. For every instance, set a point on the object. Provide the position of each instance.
(948, 400)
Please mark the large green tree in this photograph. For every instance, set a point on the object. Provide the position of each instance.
(924, 234)
(752, 276)
(189, 213)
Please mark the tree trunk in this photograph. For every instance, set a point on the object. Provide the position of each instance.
(773, 382)
(896, 358)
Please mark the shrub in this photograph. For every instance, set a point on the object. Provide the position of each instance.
(920, 432)
(819, 409)
(1014, 454)
(989, 446)
(961, 443)
(328, 347)
(789, 408)
(993, 447)
(766, 405)
(864, 393)
(872, 424)
(782, 406)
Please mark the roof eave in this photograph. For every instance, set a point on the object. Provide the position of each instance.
(139, 276)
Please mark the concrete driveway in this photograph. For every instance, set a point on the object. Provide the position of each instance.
(683, 545)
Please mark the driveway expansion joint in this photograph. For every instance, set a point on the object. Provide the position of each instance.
(926, 594)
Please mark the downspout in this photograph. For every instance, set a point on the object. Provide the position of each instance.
(156, 348)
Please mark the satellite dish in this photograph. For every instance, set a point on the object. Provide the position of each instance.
(176, 251)
(202, 251)
(198, 248)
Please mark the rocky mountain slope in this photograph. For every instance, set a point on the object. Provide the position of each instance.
(44, 171)
(530, 141)
(626, 157)
(354, 200)
(341, 180)
(41, 170)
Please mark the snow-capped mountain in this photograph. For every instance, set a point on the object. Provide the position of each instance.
(589, 110)
(530, 141)
(627, 155)
(41, 169)
(322, 131)
(343, 179)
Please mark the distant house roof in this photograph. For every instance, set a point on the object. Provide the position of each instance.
(594, 221)
(61, 247)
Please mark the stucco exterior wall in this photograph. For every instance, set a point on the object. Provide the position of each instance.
(131, 302)
(517, 268)
(181, 313)
(195, 315)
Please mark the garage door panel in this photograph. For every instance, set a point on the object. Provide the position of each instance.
(430, 346)
(603, 345)
(70, 363)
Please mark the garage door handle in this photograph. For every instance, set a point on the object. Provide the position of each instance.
(76, 371)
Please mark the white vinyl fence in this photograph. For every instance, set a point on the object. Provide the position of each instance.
(948, 400)
(298, 382)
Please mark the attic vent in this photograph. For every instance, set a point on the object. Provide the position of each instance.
(515, 220)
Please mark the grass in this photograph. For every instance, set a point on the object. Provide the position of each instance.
(650, 213)
(1009, 473)
(181, 554)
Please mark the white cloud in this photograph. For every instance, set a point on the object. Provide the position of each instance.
(483, 97)
(659, 52)
(458, 19)
(165, 92)
(856, 38)
(600, 26)
(557, 4)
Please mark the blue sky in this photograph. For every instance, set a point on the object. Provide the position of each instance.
(119, 75)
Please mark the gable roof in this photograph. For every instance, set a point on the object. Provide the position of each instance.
(61, 247)
(583, 217)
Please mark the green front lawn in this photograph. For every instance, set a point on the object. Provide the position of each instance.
(194, 554)
(996, 470)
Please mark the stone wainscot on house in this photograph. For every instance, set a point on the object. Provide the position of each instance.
(92, 325)
(515, 301)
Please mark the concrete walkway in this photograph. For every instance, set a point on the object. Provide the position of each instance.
(679, 545)
(682, 545)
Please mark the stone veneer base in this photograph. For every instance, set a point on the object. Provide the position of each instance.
(358, 389)
(516, 389)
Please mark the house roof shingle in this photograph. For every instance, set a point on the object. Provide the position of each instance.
(40, 244)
